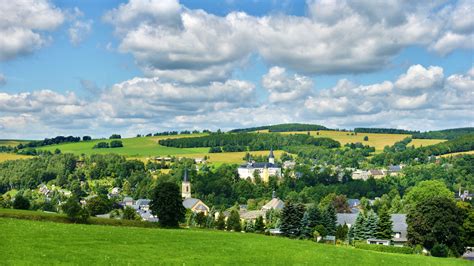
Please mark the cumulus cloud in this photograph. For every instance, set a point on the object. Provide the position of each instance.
(285, 88)
(192, 46)
(420, 78)
(79, 30)
(23, 24)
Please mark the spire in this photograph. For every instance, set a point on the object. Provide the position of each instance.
(271, 153)
(185, 178)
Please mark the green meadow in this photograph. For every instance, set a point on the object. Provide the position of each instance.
(48, 243)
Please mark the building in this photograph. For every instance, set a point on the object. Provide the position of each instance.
(376, 174)
(395, 169)
(274, 204)
(264, 170)
(374, 241)
(186, 186)
(190, 203)
(464, 196)
(360, 175)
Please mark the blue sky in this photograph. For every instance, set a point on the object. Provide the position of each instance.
(139, 66)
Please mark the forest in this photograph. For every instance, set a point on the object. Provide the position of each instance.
(283, 128)
(249, 141)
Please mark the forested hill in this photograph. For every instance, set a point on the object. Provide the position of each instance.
(436, 134)
(283, 128)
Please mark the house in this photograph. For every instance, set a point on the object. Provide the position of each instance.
(465, 196)
(264, 170)
(199, 160)
(374, 241)
(275, 203)
(114, 193)
(289, 164)
(360, 175)
(127, 201)
(146, 215)
(44, 190)
(395, 169)
(399, 226)
(142, 204)
(376, 174)
(190, 203)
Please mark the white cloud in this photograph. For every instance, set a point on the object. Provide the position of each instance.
(420, 78)
(79, 31)
(22, 24)
(285, 88)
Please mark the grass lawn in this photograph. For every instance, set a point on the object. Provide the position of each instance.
(11, 156)
(40, 243)
(457, 153)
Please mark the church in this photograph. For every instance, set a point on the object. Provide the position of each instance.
(193, 204)
(264, 170)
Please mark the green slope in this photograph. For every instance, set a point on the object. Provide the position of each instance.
(134, 147)
(40, 243)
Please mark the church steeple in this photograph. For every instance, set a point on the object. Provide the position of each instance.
(186, 186)
(271, 157)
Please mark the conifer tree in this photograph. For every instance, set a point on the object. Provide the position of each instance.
(220, 223)
(384, 225)
(314, 216)
(369, 226)
(330, 219)
(259, 225)
(358, 227)
(233, 222)
(292, 215)
(306, 230)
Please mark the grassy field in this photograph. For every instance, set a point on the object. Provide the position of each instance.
(40, 243)
(11, 156)
(457, 153)
(134, 147)
(11, 142)
(424, 142)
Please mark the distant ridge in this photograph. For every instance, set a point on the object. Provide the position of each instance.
(283, 128)
(435, 134)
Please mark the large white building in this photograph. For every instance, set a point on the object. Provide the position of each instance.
(264, 170)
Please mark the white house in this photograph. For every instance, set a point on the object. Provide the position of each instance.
(264, 170)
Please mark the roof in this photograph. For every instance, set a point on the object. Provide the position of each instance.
(142, 202)
(353, 202)
(185, 178)
(259, 165)
(275, 203)
(271, 154)
(398, 222)
(376, 172)
(250, 215)
(127, 199)
(394, 168)
(190, 202)
(346, 218)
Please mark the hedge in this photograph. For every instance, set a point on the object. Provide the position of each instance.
(383, 248)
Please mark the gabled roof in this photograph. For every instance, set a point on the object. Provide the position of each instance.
(190, 202)
(275, 203)
(142, 202)
(259, 165)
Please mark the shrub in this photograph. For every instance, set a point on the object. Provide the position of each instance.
(21, 203)
(366, 138)
(382, 248)
(115, 136)
(439, 250)
(129, 214)
(101, 145)
(74, 211)
(116, 144)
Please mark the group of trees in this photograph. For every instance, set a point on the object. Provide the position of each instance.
(369, 225)
(299, 222)
(106, 145)
(45, 142)
(250, 141)
(282, 128)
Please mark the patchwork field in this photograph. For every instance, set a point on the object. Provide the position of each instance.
(40, 243)
(11, 142)
(425, 142)
(457, 153)
(11, 156)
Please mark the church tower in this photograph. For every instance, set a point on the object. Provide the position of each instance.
(186, 186)
(271, 157)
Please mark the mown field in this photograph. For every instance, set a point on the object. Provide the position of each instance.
(48, 243)
(11, 142)
(457, 153)
(11, 156)
(379, 141)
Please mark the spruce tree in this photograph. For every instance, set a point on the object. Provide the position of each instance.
(384, 225)
(306, 230)
(259, 225)
(233, 222)
(330, 220)
(220, 223)
(314, 216)
(358, 227)
(369, 227)
(292, 215)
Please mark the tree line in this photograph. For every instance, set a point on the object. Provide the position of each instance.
(282, 128)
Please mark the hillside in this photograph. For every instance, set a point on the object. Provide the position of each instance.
(32, 242)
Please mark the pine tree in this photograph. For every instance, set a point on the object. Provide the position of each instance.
(384, 225)
(314, 216)
(330, 219)
(306, 230)
(249, 226)
(220, 223)
(292, 215)
(233, 222)
(369, 227)
(358, 226)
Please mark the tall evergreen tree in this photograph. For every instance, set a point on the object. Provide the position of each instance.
(259, 224)
(220, 223)
(330, 219)
(314, 216)
(370, 225)
(233, 222)
(306, 230)
(358, 226)
(292, 214)
(384, 225)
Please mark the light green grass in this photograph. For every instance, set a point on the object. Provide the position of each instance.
(424, 142)
(48, 243)
(11, 142)
(11, 156)
(133, 147)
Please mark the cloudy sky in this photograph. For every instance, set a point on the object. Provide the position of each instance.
(139, 66)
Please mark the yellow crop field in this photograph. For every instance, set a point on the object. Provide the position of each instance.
(12, 156)
(424, 142)
(379, 141)
(457, 153)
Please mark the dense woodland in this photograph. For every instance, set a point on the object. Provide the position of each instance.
(249, 141)
(436, 134)
(283, 128)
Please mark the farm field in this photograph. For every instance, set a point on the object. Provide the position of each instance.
(11, 142)
(457, 153)
(34, 242)
(424, 142)
(12, 156)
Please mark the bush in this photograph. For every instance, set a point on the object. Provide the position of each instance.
(382, 248)
(439, 250)
(101, 145)
(366, 138)
(116, 144)
(74, 211)
(21, 203)
(129, 214)
(115, 136)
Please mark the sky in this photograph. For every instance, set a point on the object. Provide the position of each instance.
(142, 66)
